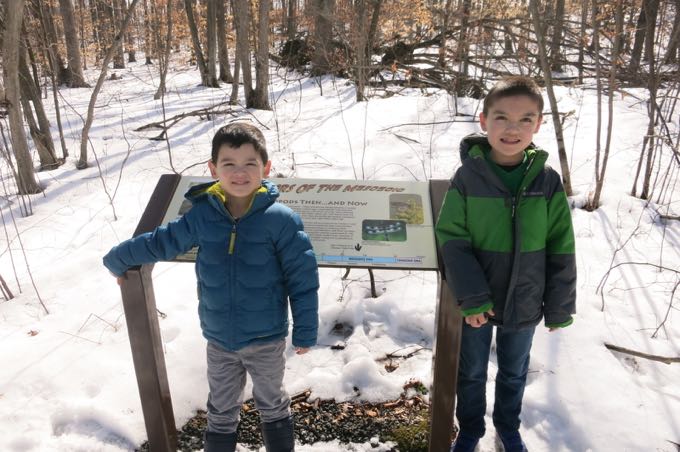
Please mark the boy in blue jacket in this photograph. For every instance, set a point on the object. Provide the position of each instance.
(253, 256)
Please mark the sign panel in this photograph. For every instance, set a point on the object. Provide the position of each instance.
(353, 223)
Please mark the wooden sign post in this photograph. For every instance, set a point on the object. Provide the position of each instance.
(406, 220)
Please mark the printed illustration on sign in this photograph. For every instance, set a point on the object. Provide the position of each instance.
(407, 207)
(383, 230)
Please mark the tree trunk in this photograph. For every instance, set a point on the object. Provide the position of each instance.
(582, 40)
(558, 31)
(10, 55)
(446, 20)
(323, 11)
(81, 32)
(242, 18)
(291, 20)
(640, 31)
(74, 71)
(51, 41)
(233, 98)
(116, 20)
(164, 59)
(674, 43)
(651, 7)
(261, 93)
(211, 47)
(651, 11)
(462, 54)
(96, 35)
(373, 30)
(360, 38)
(594, 203)
(130, 38)
(82, 160)
(545, 65)
(222, 49)
(40, 132)
(196, 41)
(148, 33)
(508, 48)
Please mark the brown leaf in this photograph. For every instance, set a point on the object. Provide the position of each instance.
(32, 333)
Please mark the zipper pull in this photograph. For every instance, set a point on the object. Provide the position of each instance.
(232, 239)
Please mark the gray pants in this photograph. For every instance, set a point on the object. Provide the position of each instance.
(227, 377)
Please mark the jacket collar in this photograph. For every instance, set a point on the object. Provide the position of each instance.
(214, 194)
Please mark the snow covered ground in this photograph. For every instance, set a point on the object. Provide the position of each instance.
(67, 381)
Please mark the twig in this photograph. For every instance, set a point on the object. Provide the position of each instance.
(670, 305)
(661, 359)
(80, 337)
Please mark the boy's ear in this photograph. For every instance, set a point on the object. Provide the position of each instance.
(482, 121)
(213, 170)
(267, 168)
(538, 123)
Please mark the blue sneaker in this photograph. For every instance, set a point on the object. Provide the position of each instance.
(464, 443)
(512, 441)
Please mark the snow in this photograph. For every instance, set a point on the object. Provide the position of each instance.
(67, 382)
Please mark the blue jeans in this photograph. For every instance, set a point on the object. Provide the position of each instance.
(512, 349)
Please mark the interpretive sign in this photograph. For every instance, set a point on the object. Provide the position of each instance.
(352, 223)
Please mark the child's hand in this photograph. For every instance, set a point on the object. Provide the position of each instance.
(301, 350)
(478, 320)
(119, 279)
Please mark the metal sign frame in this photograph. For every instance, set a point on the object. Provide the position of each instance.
(139, 304)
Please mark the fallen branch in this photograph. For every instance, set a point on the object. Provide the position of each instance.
(662, 359)
(163, 125)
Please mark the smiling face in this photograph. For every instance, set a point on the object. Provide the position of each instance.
(510, 125)
(239, 171)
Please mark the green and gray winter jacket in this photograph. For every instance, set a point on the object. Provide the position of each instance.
(512, 252)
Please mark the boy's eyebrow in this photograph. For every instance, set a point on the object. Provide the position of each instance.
(501, 112)
(229, 158)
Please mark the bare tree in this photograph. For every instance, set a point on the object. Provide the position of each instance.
(594, 202)
(164, 58)
(291, 22)
(31, 101)
(651, 8)
(211, 42)
(556, 42)
(674, 42)
(545, 65)
(360, 38)
(323, 11)
(74, 71)
(222, 49)
(116, 20)
(260, 98)
(242, 22)
(196, 41)
(50, 39)
(82, 160)
(26, 181)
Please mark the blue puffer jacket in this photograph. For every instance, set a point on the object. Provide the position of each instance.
(246, 269)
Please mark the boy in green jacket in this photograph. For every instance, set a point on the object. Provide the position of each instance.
(507, 242)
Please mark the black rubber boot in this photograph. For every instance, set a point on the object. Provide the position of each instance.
(278, 435)
(219, 442)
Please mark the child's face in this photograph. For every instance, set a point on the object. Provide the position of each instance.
(239, 170)
(510, 125)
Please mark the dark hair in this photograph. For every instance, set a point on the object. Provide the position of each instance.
(237, 134)
(513, 86)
